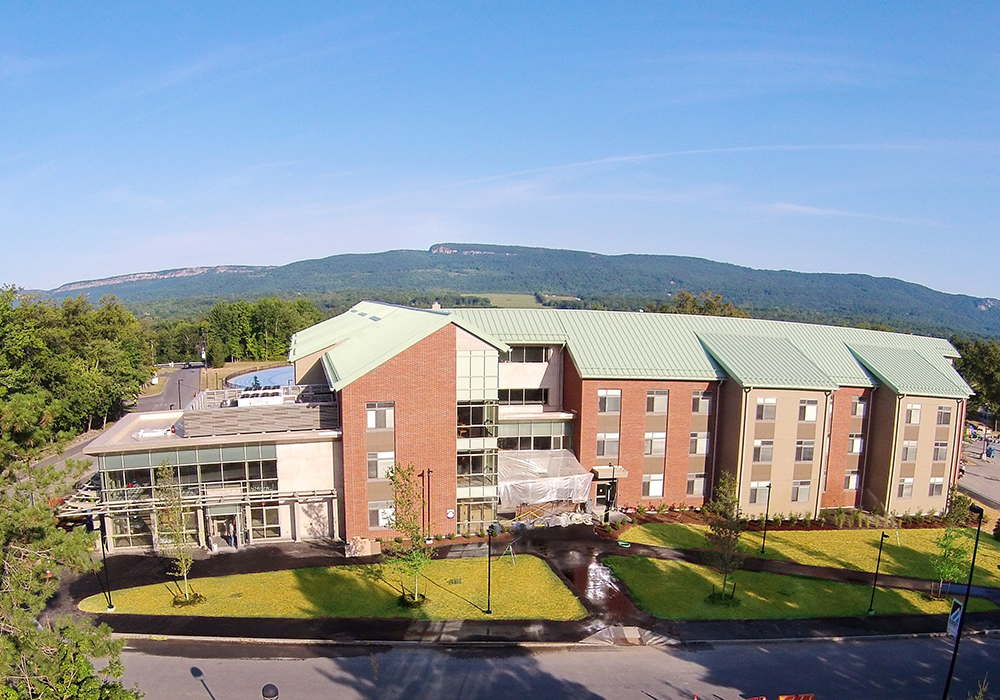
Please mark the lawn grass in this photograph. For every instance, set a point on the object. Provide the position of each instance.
(455, 589)
(909, 555)
(676, 591)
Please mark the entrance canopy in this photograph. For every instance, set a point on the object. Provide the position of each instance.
(541, 476)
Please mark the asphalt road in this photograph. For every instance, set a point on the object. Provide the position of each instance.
(908, 669)
(181, 383)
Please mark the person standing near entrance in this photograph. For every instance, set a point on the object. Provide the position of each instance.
(231, 533)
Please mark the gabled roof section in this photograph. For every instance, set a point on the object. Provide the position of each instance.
(906, 372)
(627, 345)
(765, 362)
(369, 334)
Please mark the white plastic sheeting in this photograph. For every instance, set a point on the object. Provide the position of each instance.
(541, 476)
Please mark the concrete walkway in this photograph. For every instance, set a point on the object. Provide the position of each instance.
(574, 554)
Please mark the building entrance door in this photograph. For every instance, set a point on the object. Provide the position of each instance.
(224, 526)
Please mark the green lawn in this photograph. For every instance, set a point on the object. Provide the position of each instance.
(455, 589)
(846, 549)
(677, 590)
(513, 301)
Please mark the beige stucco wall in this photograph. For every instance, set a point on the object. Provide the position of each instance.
(785, 430)
(306, 467)
(926, 434)
(536, 375)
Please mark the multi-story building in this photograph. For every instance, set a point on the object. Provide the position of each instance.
(503, 408)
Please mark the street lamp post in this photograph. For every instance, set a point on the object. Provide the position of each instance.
(871, 605)
(767, 513)
(104, 559)
(493, 529)
(977, 510)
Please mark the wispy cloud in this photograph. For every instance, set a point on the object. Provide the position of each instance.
(13, 67)
(805, 210)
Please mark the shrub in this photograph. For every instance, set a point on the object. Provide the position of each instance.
(958, 508)
(662, 508)
(996, 530)
(838, 518)
(451, 535)
(640, 509)
(808, 519)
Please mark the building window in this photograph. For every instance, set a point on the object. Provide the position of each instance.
(696, 484)
(477, 469)
(381, 415)
(804, 450)
(944, 415)
(758, 491)
(699, 443)
(937, 486)
(264, 523)
(855, 443)
(541, 435)
(380, 514)
(858, 407)
(656, 401)
(523, 397)
(767, 406)
(527, 353)
(807, 410)
(131, 530)
(476, 514)
(701, 402)
(652, 485)
(609, 400)
(763, 450)
(909, 450)
(800, 491)
(476, 420)
(905, 487)
(851, 480)
(656, 443)
(607, 444)
(940, 451)
(912, 414)
(379, 464)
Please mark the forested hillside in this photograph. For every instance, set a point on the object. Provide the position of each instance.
(636, 279)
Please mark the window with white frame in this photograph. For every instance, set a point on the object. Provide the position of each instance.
(758, 491)
(804, 450)
(937, 486)
(909, 451)
(807, 410)
(380, 464)
(851, 480)
(652, 485)
(696, 484)
(940, 451)
(912, 414)
(701, 401)
(800, 490)
(609, 400)
(523, 397)
(380, 514)
(656, 400)
(944, 415)
(763, 450)
(381, 414)
(767, 406)
(855, 443)
(858, 406)
(656, 443)
(699, 443)
(607, 444)
(905, 487)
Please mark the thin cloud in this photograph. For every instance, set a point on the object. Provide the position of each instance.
(805, 210)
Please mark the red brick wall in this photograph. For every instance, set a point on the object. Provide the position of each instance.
(840, 429)
(421, 382)
(580, 396)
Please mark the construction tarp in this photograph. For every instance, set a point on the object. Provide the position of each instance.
(541, 476)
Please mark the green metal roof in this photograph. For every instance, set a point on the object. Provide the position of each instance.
(369, 334)
(906, 372)
(765, 362)
(627, 345)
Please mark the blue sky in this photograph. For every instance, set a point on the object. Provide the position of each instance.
(855, 137)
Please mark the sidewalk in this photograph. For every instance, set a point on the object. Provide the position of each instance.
(570, 552)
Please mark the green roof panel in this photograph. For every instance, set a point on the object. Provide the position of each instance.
(765, 362)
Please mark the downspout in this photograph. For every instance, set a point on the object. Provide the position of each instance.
(714, 443)
(743, 436)
(956, 458)
(892, 456)
(824, 458)
(859, 496)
